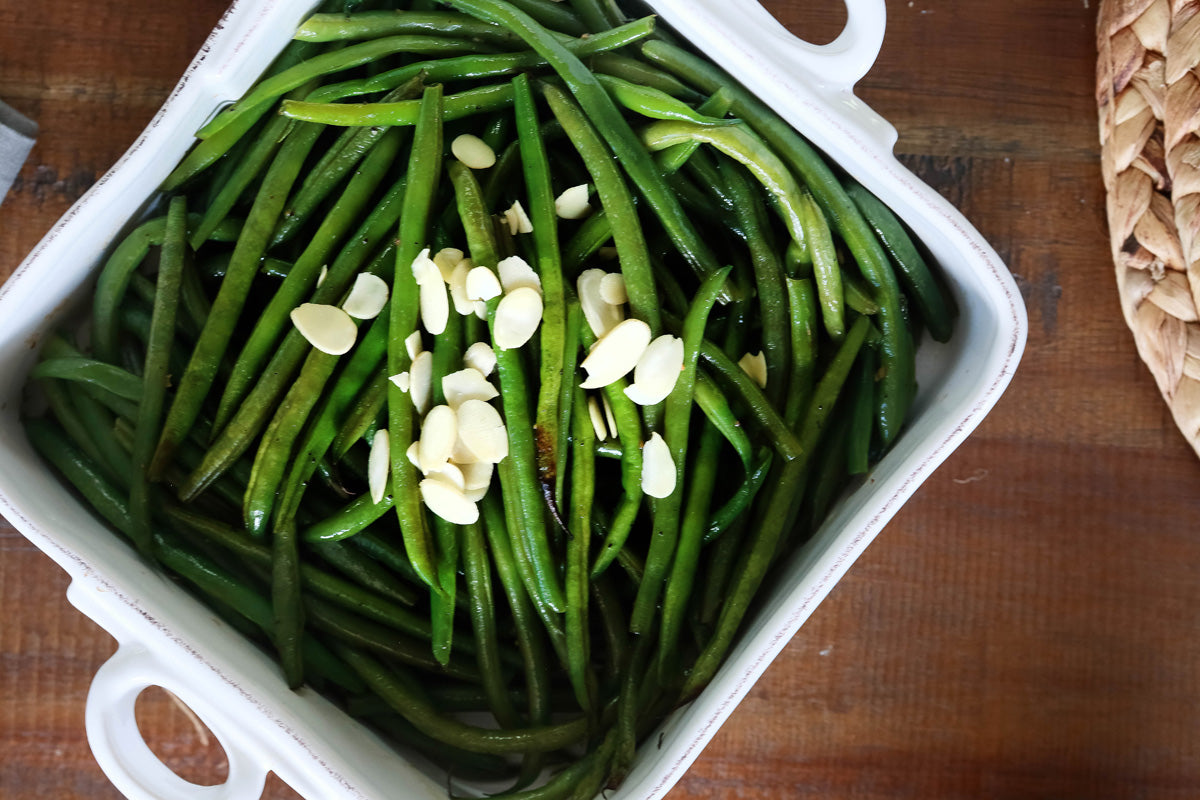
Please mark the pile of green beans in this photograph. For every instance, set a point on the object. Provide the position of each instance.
(577, 611)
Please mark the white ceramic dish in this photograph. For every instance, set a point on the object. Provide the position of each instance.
(167, 638)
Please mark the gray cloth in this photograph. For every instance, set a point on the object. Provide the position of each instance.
(16, 138)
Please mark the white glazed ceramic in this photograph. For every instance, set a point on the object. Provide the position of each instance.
(168, 639)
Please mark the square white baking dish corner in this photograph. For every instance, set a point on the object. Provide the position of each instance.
(167, 638)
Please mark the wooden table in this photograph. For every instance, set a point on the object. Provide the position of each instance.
(1025, 627)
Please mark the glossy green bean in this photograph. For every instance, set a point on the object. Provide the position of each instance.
(583, 486)
(485, 99)
(376, 24)
(113, 380)
(478, 570)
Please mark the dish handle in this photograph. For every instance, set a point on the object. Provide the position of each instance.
(123, 754)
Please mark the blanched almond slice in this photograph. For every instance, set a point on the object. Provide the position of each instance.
(461, 455)
(321, 277)
(616, 354)
(517, 219)
(446, 260)
(367, 298)
(608, 415)
(482, 431)
(755, 365)
(475, 495)
(463, 305)
(451, 473)
(515, 272)
(473, 151)
(481, 310)
(597, 419)
(327, 328)
(411, 454)
(517, 318)
(435, 306)
(379, 465)
(480, 356)
(421, 382)
(482, 284)
(657, 371)
(413, 344)
(467, 384)
(601, 316)
(573, 203)
(658, 468)
(424, 269)
(403, 381)
(447, 501)
(612, 289)
(439, 432)
(477, 475)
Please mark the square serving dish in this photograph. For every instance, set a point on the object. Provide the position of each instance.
(167, 638)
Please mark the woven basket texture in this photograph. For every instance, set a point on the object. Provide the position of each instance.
(1148, 96)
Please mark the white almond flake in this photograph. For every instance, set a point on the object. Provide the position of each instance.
(379, 465)
(413, 344)
(755, 365)
(473, 151)
(421, 387)
(480, 356)
(424, 269)
(435, 306)
(447, 501)
(461, 455)
(477, 475)
(482, 431)
(327, 328)
(658, 468)
(601, 316)
(517, 318)
(449, 472)
(321, 277)
(515, 272)
(657, 371)
(446, 260)
(463, 305)
(517, 219)
(482, 284)
(612, 289)
(411, 454)
(608, 415)
(597, 417)
(475, 495)
(616, 353)
(467, 384)
(481, 310)
(573, 203)
(439, 432)
(402, 380)
(367, 298)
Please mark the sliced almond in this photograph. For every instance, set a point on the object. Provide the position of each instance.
(517, 318)
(481, 310)
(446, 260)
(473, 151)
(403, 381)
(612, 289)
(367, 298)
(755, 365)
(482, 284)
(475, 495)
(449, 472)
(657, 371)
(597, 417)
(515, 272)
(421, 385)
(424, 269)
(517, 219)
(435, 306)
(447, 501)
(573, 203)
(608, 415)
(322, 276)
(327, 328)
(467, 384)
(481, 431)
(477, 475)
(413, 345)
(463, 305)
(439, 432)
(480, 356)
(461, 455)
(601, 316)
(411, 454)
(616, 353)
(658, 468)
(379, 465)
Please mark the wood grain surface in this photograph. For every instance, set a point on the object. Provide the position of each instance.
(1024, 628)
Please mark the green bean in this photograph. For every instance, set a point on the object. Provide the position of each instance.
(364, 570)
(673, 158)
(825, 266)
(366, 412)
(644, 74)
(858, 442)
(552, 333)
(566, 399)
(82, 473)
(457, 106)
(583, 479)
(716, 408)
(286, 603)
(66, 413)
(353, 518)
(376, 24)
(666, 518)
(736, 506)
(653, 103)
(589, 237)
(618, 206)
(764, 413)
(553, 15)
(424, 168)
(483, 622)
(600, 108)
(802, 311)
(441, 603)
(113, 380)
(455, 761)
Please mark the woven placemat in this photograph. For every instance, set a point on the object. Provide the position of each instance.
(1148, 95)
